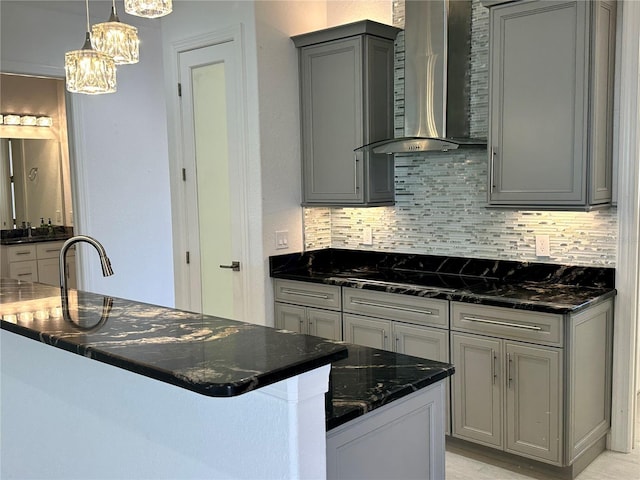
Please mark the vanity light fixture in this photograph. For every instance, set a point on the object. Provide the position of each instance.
(89, 71)
(28, 120)
(148, 8)
(44, 121)
(116, 39)
(11, 119)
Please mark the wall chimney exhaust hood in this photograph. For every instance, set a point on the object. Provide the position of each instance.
(436, 105)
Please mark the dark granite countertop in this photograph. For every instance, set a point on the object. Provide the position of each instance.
(37, 235)
(208, 355)
(539, 287)
(370, 378)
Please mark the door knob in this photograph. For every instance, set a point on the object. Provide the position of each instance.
(235, 266)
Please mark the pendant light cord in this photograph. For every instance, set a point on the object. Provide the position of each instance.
(87, 4)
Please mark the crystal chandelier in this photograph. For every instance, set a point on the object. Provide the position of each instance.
(89, 71)
(148, 8)
(116, 39)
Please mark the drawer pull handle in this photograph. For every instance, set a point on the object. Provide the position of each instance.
(503, 324)
(394, 307)
(51, 250)
(25, 274)
(305, 294)
(28, 252)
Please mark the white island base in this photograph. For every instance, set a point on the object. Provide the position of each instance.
(66, 416)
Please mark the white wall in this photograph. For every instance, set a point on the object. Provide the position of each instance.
(122, 191)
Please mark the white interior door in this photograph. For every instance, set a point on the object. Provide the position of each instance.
(213, 182)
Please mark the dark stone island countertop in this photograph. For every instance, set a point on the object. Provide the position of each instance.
(541, 287)
(210, 355)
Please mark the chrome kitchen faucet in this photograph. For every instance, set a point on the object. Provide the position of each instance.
(104, 260)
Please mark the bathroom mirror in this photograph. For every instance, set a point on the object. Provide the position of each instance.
(31, 178)
(34, 160)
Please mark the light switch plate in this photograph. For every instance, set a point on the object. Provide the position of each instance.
(282, 239)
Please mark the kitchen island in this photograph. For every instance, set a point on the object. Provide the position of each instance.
(192, 396)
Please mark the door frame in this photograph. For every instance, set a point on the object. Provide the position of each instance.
(234, 36)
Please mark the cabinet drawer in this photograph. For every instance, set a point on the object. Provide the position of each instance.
(545, 328)
(395, 306)
(19, 253)
(27, 271)
(308, 294)
(49, 249)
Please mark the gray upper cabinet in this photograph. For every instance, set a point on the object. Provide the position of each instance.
(346, 94)
(551, 66)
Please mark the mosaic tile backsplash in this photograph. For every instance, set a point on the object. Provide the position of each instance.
(441, 199)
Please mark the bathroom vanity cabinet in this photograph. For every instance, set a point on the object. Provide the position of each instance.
(37, 262)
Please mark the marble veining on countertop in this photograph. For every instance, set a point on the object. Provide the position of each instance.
(529, 286)
(205, 354)
(370, 378)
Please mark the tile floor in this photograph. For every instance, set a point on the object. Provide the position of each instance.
(608, 466)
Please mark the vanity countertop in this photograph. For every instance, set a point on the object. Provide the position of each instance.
(37, 235)
(208, 355)
(549, 288)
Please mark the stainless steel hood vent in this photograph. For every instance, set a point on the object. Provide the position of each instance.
(437, 39)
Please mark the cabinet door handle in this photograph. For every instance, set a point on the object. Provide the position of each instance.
(301, 293)
(502, 324)
(493, 366)
(509, 378)
(394, 307)
(355, 172)
(492, 184)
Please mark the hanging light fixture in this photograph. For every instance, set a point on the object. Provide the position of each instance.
(89, 71)
(116, 39)
(148, 8)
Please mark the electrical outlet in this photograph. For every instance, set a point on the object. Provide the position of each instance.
(282, 239)
(542, 245)
(367, 236)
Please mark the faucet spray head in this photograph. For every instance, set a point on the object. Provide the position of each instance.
(107, 271)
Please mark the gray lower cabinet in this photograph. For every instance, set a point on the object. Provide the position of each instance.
(499, 381)
(310, 308)
(346, 96)
(551, 84)
(313, 321)
(533, 384)
(413, 425)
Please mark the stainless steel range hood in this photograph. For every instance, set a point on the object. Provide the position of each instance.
(437, 39)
